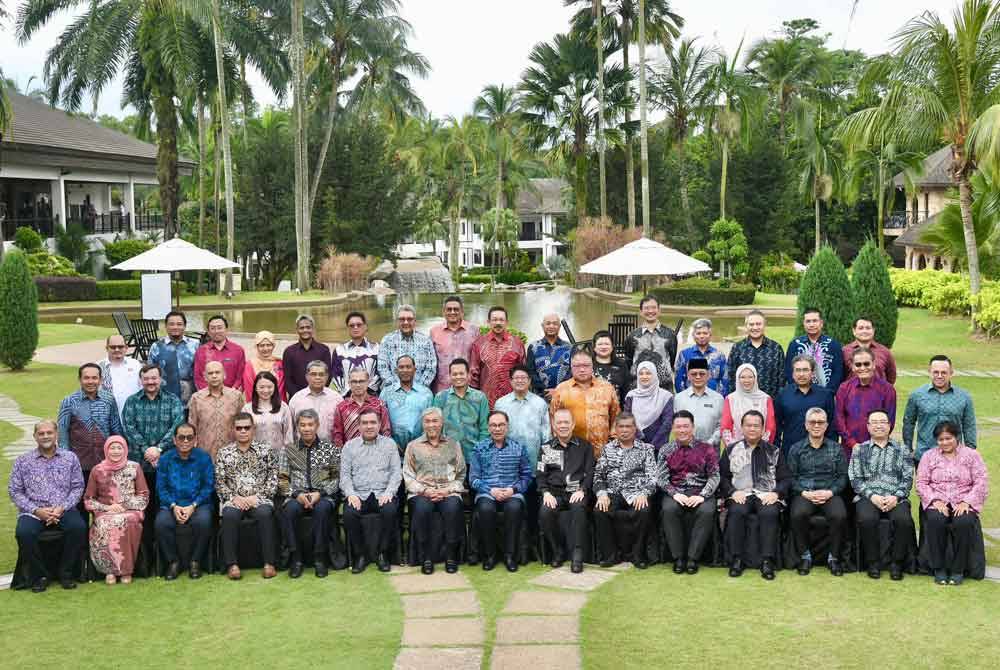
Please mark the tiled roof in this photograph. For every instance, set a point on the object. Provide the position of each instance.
(544, 196)
(936, 170)
(911, 238)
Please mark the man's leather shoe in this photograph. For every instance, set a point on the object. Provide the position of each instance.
(896, 572)
(194, 570)
(339, 561)
(383, 563)
(736, 568)
(679, 566)
(640, 563)
(488, 563)
(557, 561)
(40, 585)
(321, 569)
(576, 566)
(268, 572)
(692, 566)
(234, 572)
(359, 565)
(767, 569)
(451, 566)
(510, 562)
(295, 569)
(172, 570)
(836, 569)
(427, 568)
(874, 572)
(472, 558)
(805, 566)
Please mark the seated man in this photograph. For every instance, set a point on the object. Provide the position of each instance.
(185, 482)
(434, 473)
(499, 474)
(565, 474)
(881, 472)
(819, 477)
(688, 473)
(624, 480)
(754, 478)
(45, 485)
(370, 474)
(309, 480)
(246, 478)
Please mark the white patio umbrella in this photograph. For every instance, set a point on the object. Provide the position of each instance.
(173, 256)
(645, 257)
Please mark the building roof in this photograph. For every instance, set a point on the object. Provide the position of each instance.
(911, 237)
(936, 170)
(544, 196)
(39, 126)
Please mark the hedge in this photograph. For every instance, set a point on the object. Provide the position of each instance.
(509, 278)
(703, 292)
(44, 264)
(128, 289)
(65, 289)
(948, 293)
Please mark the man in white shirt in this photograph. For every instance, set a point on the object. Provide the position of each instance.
(119, 373)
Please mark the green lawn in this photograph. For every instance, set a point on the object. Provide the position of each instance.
(774, 300)
(8, 514)
(50, 334)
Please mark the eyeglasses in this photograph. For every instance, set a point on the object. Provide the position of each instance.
(116, 346)
(241, 428)
(817, 422)
(878, 422)
(184, 438)
(862, 364)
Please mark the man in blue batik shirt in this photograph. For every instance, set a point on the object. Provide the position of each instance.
(174, 355)
(718, 364)
(547, 359)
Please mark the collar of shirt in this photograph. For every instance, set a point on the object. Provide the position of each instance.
(691, 392)
(503, 337)
(255, 446)
(225, 345)
(326, 391)
(59, 453)
(365, 344)
(468, 392)
(555, 443)
(465, 325)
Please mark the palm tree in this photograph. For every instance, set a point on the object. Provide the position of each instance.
(303, 225)
(227, 151)
(787, 67)
(947, 236)
(818, 160)
(6, 113)
(384, 85)
(499, 107)
(684, 88)
(943, 87)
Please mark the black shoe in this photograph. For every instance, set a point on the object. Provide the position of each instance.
(472, 558)
(359, 565)
(874, 572)
(692, 566)
(576, 566)
(557, 560)
(896, 572)
(40, 585)
(383, 563)
(836, 569)
(339, 561)
(680, 566)
(488, 563)
(67, 582)
(608, 563)
(767, 569)
(194, 570)
(295, 569)
(736, 568)
(427, 568)
(451, 566)
(510, 562)
(321, 569)
(640, 563)
(172, 570)
(805, 566)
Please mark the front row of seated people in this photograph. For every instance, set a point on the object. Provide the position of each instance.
(618, 483)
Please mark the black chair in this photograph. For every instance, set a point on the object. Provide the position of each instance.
(125, 330)
(146, 331)
(50, 542)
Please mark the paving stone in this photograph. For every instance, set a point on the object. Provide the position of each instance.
(993, 572)
(5, 581)
(545, 602)
(446, 603)
(537, 629)
(402, 569)
(620, 567)
(550, 657)
(992, 532)
(420, 583)
(463, 658)
(588, 580)
(438, 633)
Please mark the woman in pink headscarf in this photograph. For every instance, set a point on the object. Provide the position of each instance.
(117, 495)
(263, 360)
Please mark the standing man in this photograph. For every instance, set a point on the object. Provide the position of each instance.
(87, 418)
(406, 402)
(46, 485)
(718, 366)
(857, 397)
(211, 410)
(864, 336)
(592, 401)
(652, 341)
(175, 356)
(345, 418)
(825, 350)
(547, 359)
(493, 356)
(527, 412)
(357, 352)
(796, 399)
(119, 373)
(760, 351)
(223, 350)
(406, 340)
(465, 409)
(452, 339)
(704, 404)
(933, 403)
(296, 358)
(318, 397)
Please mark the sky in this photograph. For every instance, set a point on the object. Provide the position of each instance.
(472, 43)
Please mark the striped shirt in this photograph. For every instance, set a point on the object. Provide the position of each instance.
(85, 423)
(305, 469)
(500, 467)
(368, 468)
(345, 418)
(491, 359)
(417, 345)
(448, 345)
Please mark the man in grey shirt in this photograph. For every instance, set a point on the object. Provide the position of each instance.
(370, 474)
(704, 403)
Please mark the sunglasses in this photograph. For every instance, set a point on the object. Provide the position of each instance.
(250, 427)
(184, 438)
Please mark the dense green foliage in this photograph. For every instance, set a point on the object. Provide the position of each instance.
(72, 243)
(27, 240)
(825, 287)
(698, 291)
(728, 245)
(873, 295)
(44, 264)
(65, 289)
(120, 251)
(18, 312)
(129, 289)
(777, 273)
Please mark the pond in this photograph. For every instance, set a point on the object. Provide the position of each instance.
(584, 314)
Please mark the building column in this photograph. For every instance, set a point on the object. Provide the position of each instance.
(59, 203)
(908, 263)
(130, 204)
(947, 263)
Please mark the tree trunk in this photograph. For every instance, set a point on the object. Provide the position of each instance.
(816, 231)
(682, 179)
(331, 116)
(244, 96)
(453, 228)
(599, 21)
(302, 225)
(643, 127)
(166, 156)
(216, 192)
(202, 205)
(629, 158)
(227, 152)
(499, 205)
(971, 248)
(580, 168)
(722, 180)
(881, 203)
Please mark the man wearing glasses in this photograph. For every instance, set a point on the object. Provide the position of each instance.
(119, 373)
(406, 340)
(592, 401)
(452, 339)
(358, 353)
(704, 404)
(858, 397)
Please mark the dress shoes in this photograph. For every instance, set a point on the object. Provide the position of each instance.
(576, 566)
(874, 572)
(836, 569)
(451, 566)
(295, 569)
(680, 566)
(234, 572)
(321, 569)
(40, 585)
(736, 568)
(805, 566)
(268, 572)
(359, 565)
(172, 571)
(767, 569)
(640, 563)
(557, 561)
(194, 570)
(896, 572)
(383, 563)
(692, 566)
(339, 561)
(510, 562)
(489, 563)
(427, 568)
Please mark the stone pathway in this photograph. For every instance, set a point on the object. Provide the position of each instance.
(10, 412)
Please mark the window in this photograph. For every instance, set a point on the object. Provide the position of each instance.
(477, 257)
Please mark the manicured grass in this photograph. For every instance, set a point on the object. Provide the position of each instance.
(8, 513)
(655, 618)
(212, 299)
(494, 589)
(51, 334)
(343, 621)
(774, 300)
(39, 387)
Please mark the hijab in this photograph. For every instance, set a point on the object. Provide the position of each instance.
(741, 402)
(107, 463)
(648, 401)
(263, 364)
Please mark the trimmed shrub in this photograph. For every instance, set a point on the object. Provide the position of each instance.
(18, 312)
(698, 291)
(128, 289)
(27, 240)
(825, 286)
(988, 314)
(120, 251)
(475, 279)
(949, 298)
(873, 296)
(65, 289)
(910, 287)
(703, 256)
(44, 264)
(515, 278)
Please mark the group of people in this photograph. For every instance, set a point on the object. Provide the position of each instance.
(547, 437)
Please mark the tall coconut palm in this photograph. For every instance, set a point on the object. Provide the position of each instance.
(499, 107)
(384, 85)
(947, 235)
(787, 68)
(227, 151)
(944, 86)
(818, 161)
(684, 87)
(6, 113)
(303, 225)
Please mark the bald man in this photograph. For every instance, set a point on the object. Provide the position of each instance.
(211, 410)
(119, 373)
(547, 359)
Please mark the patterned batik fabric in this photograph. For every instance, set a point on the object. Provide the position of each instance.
(417, 345)
(881, 471)
(628, 471)
(250, 473)
(768, 359)
(490, 363)
(348, 357)
(718, 368)
(548, 364)
(688, 469)
(927, 407)
(658, 346)
(594, 409)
